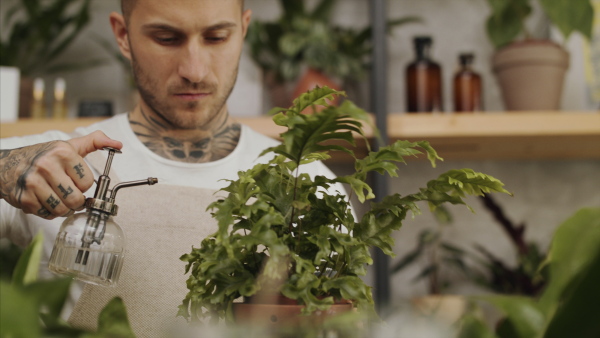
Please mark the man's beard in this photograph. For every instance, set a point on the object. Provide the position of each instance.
(148, 88)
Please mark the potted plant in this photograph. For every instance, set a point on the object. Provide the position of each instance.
(281, 232)
(530, 70)
(568, 305)
(38, 32)
(305, 43)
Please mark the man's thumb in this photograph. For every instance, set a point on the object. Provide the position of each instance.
(92, 142)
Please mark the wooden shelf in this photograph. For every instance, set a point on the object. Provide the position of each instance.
(36, 126)
(515, 135)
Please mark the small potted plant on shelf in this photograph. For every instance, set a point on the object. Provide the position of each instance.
(530, 70)
(303, 47)
(37, 34)
(287, 236)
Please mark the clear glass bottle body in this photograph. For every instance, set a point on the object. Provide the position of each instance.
(423, 80)
(467, 86)
(90, 247)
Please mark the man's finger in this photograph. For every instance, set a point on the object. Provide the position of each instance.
(92, 142)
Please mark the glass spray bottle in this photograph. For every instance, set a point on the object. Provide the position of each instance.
(90, 245)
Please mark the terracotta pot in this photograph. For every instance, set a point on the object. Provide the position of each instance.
(282, 312)
(531, 74)
(310, 80)
(278, 92)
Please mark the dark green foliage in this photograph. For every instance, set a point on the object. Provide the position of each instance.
(568, 305)
(303, 37)
(506, 22)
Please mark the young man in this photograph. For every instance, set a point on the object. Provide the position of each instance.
(185, 56)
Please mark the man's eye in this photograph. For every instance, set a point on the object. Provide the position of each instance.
(215, 39)
(167, 40)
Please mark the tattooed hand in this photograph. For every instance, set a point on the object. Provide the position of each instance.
(48, 179)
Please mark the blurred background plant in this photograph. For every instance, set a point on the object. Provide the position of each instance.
(441, 258)
(568, 304)
(31, 307)
(39, 31)
(506, 22)
(35, 36)
(307, 39)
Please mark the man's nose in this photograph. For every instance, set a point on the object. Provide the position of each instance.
(193, 65)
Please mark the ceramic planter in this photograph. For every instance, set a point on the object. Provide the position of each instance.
(531, 74)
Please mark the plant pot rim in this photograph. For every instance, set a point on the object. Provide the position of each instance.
(530, 52)
(529, 43)
(280, 299)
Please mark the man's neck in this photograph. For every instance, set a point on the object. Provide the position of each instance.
(198, 145)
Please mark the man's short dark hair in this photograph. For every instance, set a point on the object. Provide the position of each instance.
(128, 5)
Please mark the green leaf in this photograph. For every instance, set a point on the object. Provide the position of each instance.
(570, 16)
(571, 252)
(426, 272)
(410, 257)
(578, 313)
(323, 10)
(455, 184)
(18, 313)
(506, 21)
(522, 313)
(471, 326)
(50, 296)
(113, 321)
(28, 265)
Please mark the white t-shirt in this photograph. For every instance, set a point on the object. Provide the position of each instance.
(135, 163)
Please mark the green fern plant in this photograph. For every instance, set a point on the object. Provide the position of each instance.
(276, 217)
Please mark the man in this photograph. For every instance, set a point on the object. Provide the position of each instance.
(184, 55)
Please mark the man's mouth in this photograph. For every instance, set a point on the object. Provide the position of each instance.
(191, 96)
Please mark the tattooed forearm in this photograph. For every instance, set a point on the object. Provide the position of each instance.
(16, 165)
(5, 153)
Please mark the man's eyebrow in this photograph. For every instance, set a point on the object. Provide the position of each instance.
(159, 26)
(220, 25)
(162, 26)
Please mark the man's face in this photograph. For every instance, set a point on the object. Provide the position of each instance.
(185, 55)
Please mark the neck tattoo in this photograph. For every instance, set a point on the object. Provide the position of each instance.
(191, 146)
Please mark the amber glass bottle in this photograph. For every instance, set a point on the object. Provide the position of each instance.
(467, 86)
(423, 80)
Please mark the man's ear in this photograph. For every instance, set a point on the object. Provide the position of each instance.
(246, 15)
(117, 22)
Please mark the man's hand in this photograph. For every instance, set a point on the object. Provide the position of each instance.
(48, 179)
